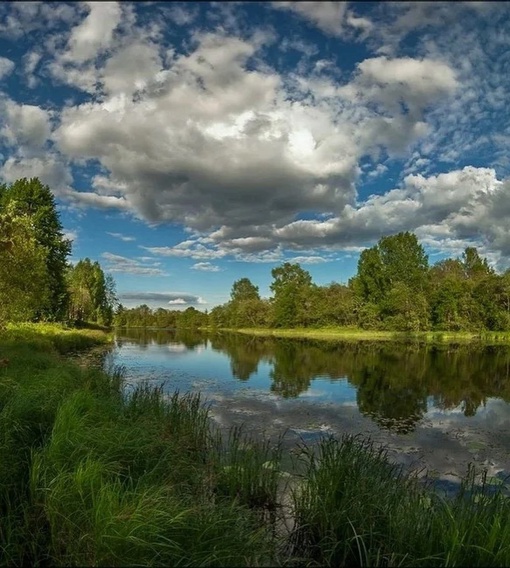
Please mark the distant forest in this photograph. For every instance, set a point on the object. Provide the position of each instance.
(394, 289)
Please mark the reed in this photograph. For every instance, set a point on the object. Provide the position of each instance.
(354, 508)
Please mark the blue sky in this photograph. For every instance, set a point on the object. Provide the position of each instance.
(192, 144)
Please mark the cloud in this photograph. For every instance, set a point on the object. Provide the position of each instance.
(333, 18)
(91, 199)
(172, 298)
(188, 249)
(49, 169)
(206, 267)
(95, 32)
(118, 263)
(181, 15)
(121, 236)
(25, 127)
(233, 145)
(25, 18)
(450, 209)
(235, 150)
(6, 67)
(71, 235)
(424, 80)
(310, 259)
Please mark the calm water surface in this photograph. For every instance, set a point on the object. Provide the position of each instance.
(436, 407)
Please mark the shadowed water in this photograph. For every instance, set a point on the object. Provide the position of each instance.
(435, 407)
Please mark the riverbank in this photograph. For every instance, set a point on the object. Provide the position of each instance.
(356, 334)
(89, 476)
(55, 337)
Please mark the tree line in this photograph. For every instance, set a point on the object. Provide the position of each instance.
(37, 282)
(395, 289)
(144, 316)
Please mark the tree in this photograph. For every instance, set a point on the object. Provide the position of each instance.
(396, 259)
(92, 294)
(369, 283)
(404, 261)
(24, 282)
(291, 286)
(245, 307)
(405, 309)
(475, 267)
(120, 316)
(191, 318)
(243, 289)
(29, 197)
(332, 305)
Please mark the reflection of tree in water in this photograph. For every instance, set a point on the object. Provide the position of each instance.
(392, 405)
(292, 370)
(190, 338)
(138, 335)
(245, 353)
(147, 336)
(393, 380)
(467, 376)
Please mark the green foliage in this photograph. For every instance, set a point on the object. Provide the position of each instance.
(245, 309)
(29, 197)
(291, 301)
(143, 316)
(474, 266)
(405, 309)
(191, 318)
(91, 477)
(24, 278)
(331, 305)
(243, 290)
(397, 259)
(92, 294)
(354, 508)
(394, 290)
(370, 283)
(36, 283)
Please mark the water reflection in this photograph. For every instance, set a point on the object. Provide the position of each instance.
(395, 383)
(146, 336)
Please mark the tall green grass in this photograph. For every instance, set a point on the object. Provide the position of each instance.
(354, 508)
(89, 476)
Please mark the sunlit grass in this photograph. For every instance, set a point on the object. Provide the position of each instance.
(49, 336)
(357, 334)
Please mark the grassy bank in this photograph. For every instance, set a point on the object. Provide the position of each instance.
(90, 476)
(356, 334)
(52, 337)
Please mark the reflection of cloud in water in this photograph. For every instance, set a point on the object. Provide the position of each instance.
(177, 348)
(325, 396)
(495, 413)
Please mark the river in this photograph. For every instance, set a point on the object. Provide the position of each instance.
(436, 408)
